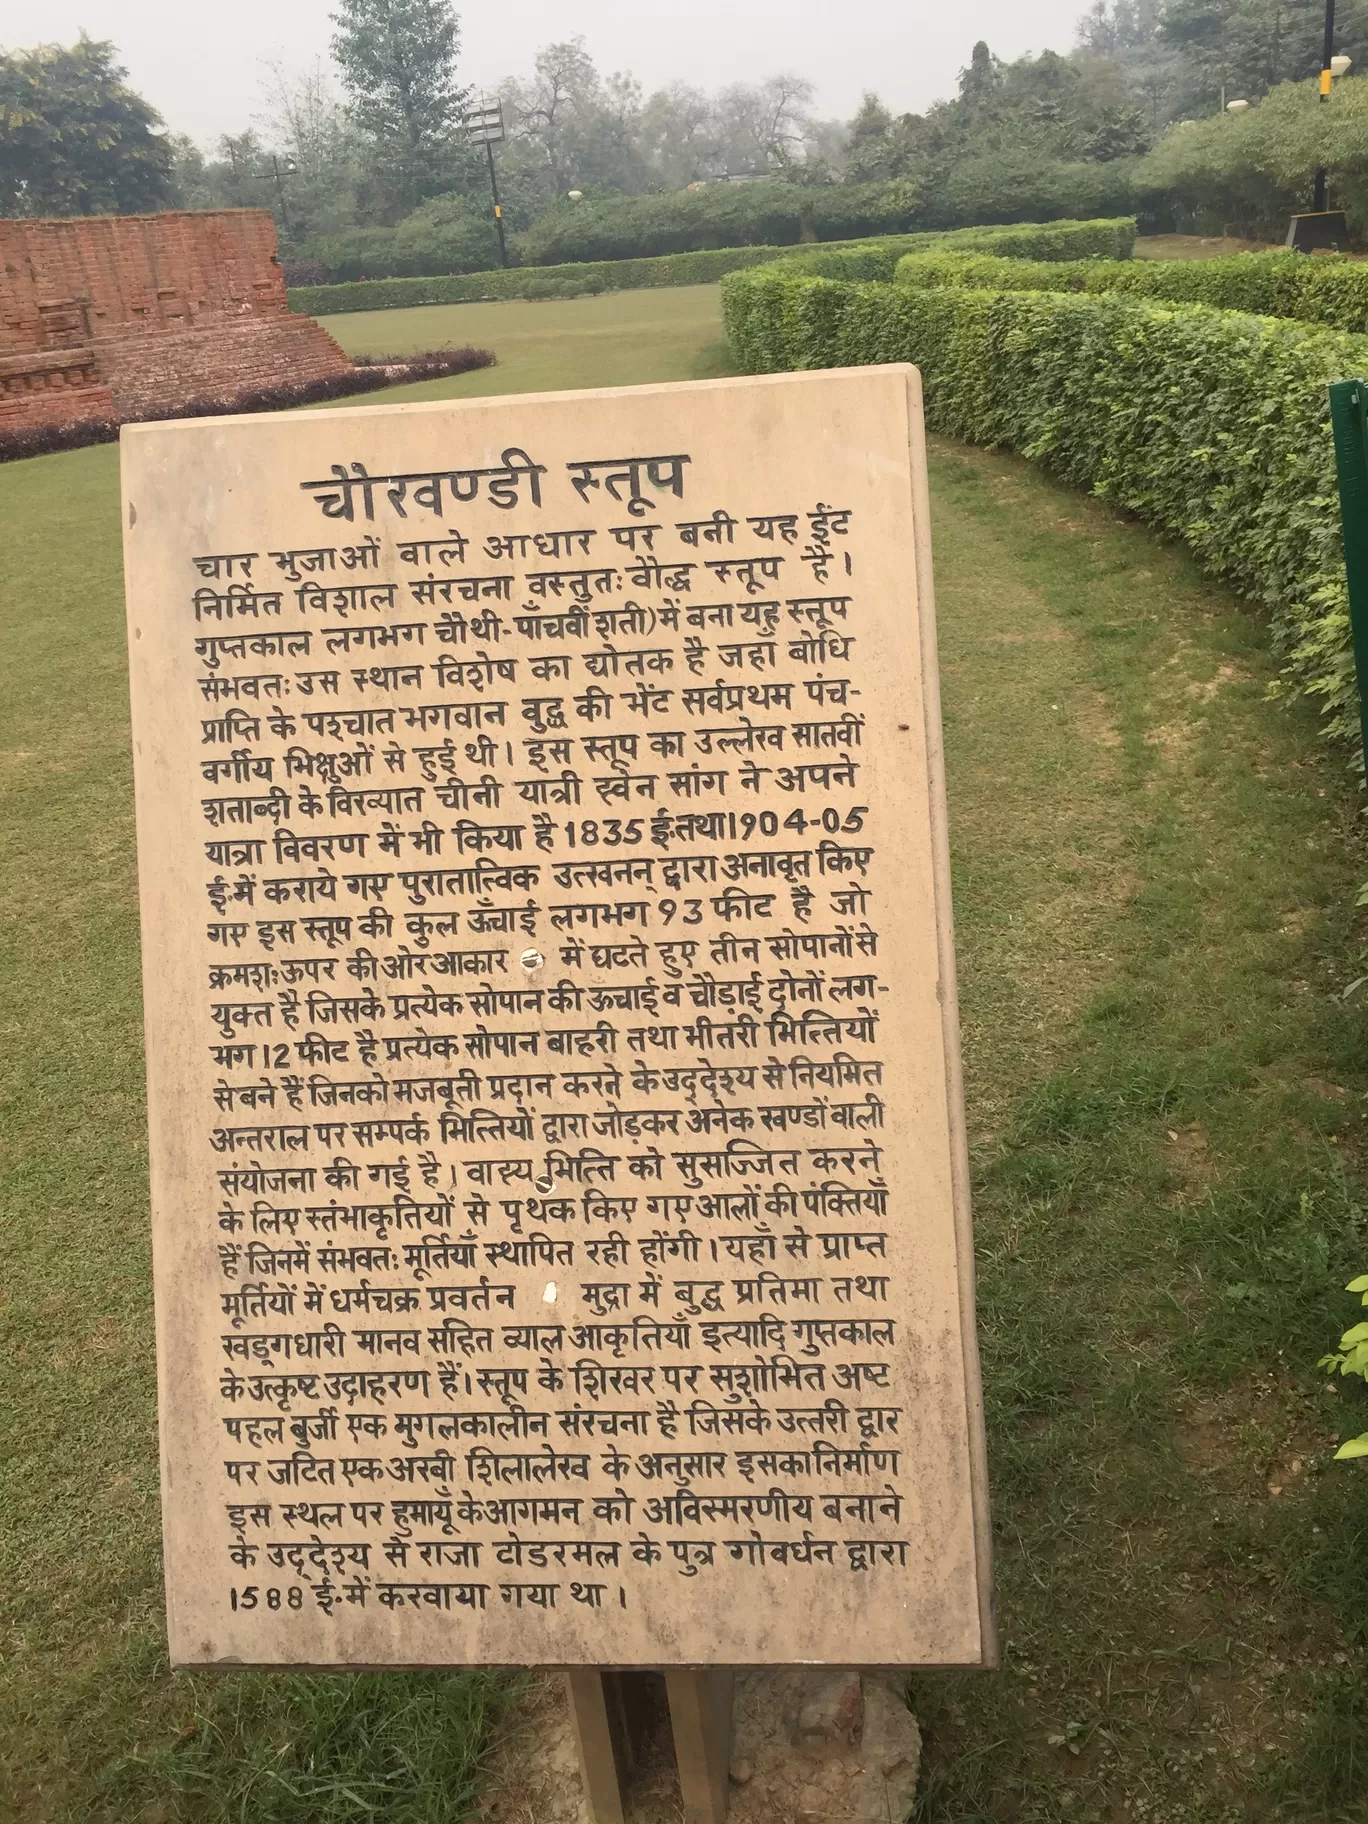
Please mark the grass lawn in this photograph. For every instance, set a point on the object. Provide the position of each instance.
(1155, 871)
(622, 338)
(1196, 246)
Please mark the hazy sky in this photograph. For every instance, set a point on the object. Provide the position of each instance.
(201, 64)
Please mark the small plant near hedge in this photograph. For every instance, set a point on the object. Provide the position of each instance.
(1330, 289)
(370, 373)
(1352, 1358)
(1211, 425)
(1111, 239)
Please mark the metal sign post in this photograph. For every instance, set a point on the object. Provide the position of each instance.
(1349, 420)
(485, 127)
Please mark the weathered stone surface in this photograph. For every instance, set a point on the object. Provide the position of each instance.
(535, 1777)
(116, 316)
(841, 1747)
(832, 1713)
(834, 1494)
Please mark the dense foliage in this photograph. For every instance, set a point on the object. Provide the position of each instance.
(382, 179)
(1185, 58)
(861, 259)
(1249, 171)
(720, 215)
(73, 139)
(1209, 424)
(397, 60)
(447, 234)
(1330, 289)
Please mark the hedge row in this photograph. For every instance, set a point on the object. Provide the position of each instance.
(745, 215)
(1211, 425)
(1331, 289)
(1057, 240)
(769, 214)
(536, 282)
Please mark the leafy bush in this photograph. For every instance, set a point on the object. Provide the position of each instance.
(719, 215)
(1330, 289)
(1352, 1358)
(528, 282)
(872, 259)
(1105, 238)
(446, 234)
(1022, 186)
(1250, 170)
(1211, 425)
(430, 364)
(304, 272)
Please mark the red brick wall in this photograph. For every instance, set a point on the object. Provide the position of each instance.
(156, 310)
(62, 387)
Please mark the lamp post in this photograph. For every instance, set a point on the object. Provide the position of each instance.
(1327, 76)
(1323, 226)
(485, 127)
(280, 172)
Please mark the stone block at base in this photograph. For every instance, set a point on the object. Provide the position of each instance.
(809, 1745)
(836, 1746)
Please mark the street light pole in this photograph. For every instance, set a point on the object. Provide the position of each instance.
(1321, 226)
(279, 176)
(494, 192)
(485, 126)
(1327, 51)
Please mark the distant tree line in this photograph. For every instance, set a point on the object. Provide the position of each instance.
(365, 164)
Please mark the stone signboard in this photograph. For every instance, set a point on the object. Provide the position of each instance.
(558, 1178)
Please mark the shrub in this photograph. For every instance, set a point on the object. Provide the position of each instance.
(445, 234)
(1250, 170)
(1021, 186)
(719, 215)
(1104, 238)
(304, 272)
(1058, 240)
(1330, 289)
(1352, 1358)
(1211, 425)
(431, 364)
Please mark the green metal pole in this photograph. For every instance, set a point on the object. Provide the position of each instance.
(1349, 420)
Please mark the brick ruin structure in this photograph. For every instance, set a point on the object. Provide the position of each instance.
(116, 316)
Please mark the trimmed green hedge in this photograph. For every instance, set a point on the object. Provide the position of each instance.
(768, 214)
(1211, 425)
(1330, 289)
(1072, 239)
(1107, 238)
(537, 282)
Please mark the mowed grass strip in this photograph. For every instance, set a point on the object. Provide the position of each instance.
(1155, 872)
(1155, 875)
(623, 338)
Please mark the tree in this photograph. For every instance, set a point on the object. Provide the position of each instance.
(679, 136)
(307, 131)
(979, 84)
(869, 143)
(763, 127)
(581, 129)
(73, 139)
(397, 60)
(1110, 26)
